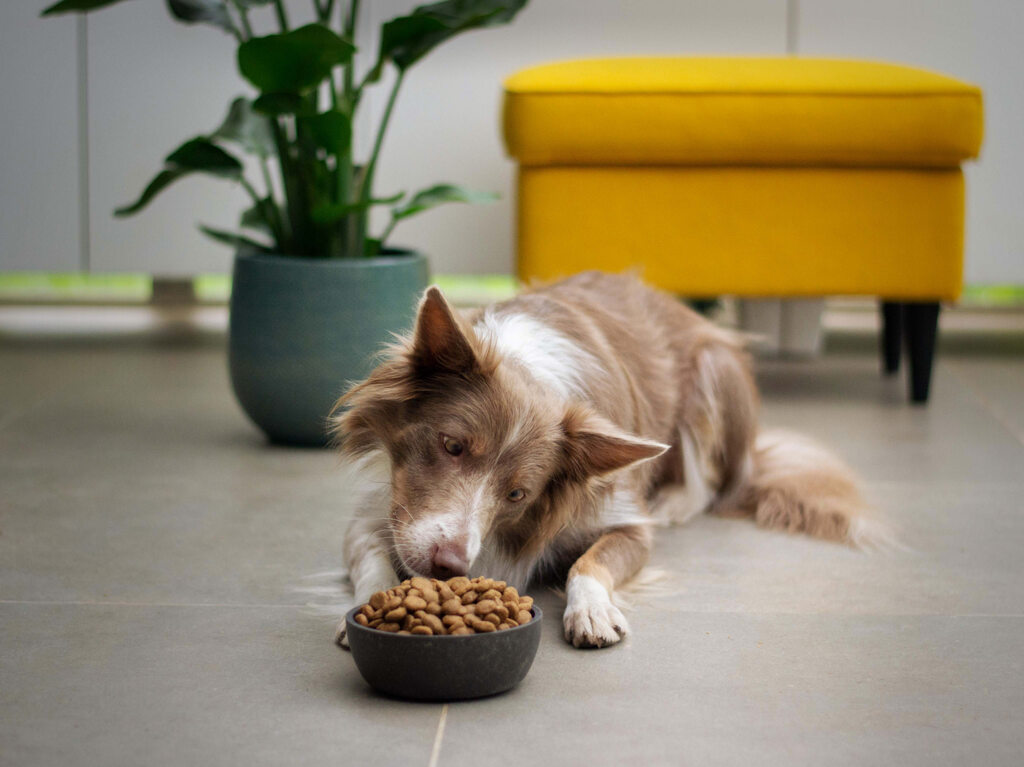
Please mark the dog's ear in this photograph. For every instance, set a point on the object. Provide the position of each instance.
(440, 342)
(593, 446)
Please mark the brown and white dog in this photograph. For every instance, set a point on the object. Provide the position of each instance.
(533, 438)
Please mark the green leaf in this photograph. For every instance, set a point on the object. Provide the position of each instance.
(330, 130)
(162, 180)
(274, 104)
(371, 247)
(201, 154)
(244, 127)
(259, 216)
(439, 195)
(292, 62)
(198, 155)
(328, 214)
(71, 6)
(213, 12)
(407, 39)
(234, 239)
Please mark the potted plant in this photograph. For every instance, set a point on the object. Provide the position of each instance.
(314, 291)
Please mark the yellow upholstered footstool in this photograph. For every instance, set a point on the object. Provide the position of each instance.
(753, 177)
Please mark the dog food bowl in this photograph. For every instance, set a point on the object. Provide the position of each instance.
(444, 668)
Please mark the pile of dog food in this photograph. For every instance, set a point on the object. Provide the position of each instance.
(455, 607)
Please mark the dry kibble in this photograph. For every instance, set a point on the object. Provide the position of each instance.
(457, 607)
(414, 603)
(451, 606)
(434, 623)
(485, 606)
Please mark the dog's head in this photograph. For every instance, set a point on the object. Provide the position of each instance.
(474, 441)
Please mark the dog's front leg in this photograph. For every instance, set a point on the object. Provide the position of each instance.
(591, 620)
(367, 552)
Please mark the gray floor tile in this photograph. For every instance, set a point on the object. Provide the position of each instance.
(733, 689)
(998, 384)
(109, 686)
(134, 491)
(963, 558)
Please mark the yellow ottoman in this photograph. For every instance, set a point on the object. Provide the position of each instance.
(754, 177)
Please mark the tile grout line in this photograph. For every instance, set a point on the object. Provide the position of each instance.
(773, 613)
(435, 752)
(991, 408)
(102, 603)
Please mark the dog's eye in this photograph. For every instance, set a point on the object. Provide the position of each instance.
(516, 495)
(453, 446)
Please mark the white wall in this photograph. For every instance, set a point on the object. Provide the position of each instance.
(153, 83)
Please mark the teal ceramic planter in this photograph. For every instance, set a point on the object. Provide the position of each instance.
(303, 328)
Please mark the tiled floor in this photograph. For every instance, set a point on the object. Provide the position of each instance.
(153, 550)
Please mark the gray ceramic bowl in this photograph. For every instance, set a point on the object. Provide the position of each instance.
(444, 667)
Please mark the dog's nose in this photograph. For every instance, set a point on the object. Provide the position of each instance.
(448, 561)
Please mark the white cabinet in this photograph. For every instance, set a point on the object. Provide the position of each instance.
(153, 83)
(977, 41)
(40, 205)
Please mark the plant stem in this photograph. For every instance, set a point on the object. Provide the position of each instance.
(278, 223)
(366, 188)
(292, 194)
(349, 34)
(244, 18)
(387, 231)
(282, 17)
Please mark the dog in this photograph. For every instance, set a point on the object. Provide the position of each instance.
(542, 438)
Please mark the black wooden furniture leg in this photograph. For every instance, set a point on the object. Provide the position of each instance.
(920, 321)
(892, 336)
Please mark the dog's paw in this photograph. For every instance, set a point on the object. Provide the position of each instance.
(340, 637)
(595, 625)
(590, 619)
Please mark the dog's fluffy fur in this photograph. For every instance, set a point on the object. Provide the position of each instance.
(597, 399)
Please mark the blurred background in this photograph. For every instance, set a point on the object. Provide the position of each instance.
(92, 104)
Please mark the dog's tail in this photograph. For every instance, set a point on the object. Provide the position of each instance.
(796, 485)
